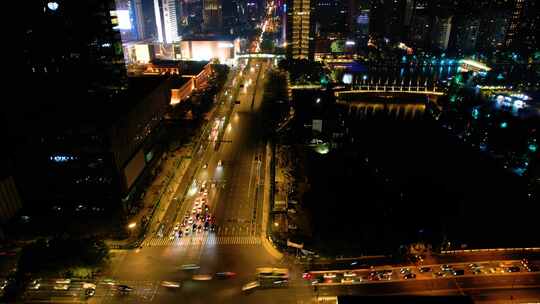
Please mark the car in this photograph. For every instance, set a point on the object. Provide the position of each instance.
(458, 272)
(424, 269)
(225, 275)
(280, 283)
(206, 225)
(513, 269)
(446, 267)
(90, 292)
(171, 284)
(329, 275)
(219, 164)
(61, 287)
(35, 284)
(109, 281)
(473, 265)
(201, 277)
(86, 285)
(477, 271)
(63, 281)
(176, 226)
(190, 267)
(404, 270)
(347, 280)
(409, 276)
(123, 288)
(349, 274)
(531, 268)
(439, 274)
(251, 286)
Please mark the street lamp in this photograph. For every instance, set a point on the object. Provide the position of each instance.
(132, 225)
(276, 224)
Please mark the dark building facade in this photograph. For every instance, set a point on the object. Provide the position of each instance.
(212, 16)
(83, 133)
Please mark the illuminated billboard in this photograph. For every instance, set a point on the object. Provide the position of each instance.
(223, 50)
(123, 22)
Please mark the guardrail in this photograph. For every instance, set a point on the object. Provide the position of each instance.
(490, 250)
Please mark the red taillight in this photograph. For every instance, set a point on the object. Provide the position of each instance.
(306, 276)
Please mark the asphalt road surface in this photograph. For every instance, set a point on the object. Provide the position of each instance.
(230, 161)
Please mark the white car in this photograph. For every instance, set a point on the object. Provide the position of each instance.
(190, 267)
(201, 277)
(171, 284)
(61, 287)
(251, 286)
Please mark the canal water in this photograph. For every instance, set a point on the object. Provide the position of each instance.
(401, 178)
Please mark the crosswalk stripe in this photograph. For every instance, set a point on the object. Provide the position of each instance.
(203, 240)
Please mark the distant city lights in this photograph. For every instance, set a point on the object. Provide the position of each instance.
(61, 158)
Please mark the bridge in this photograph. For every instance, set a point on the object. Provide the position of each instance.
(392, 89)
(384, 99)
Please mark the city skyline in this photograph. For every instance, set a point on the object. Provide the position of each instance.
(291, 151)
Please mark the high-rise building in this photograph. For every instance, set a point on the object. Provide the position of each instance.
(299, 29)
(420, 29)
(529, 26)
(388, 19)
(514, 25)
(166, 20)
(359, 18)
(139, 17)
(492, 30)
(74, 47)
(464, 38)
(84, 133)
(330, 18)
(440, 33)
(212, 16)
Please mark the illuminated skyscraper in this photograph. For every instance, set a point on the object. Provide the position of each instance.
(514, 24)
(299, 29)
(522, 31)
(212, 15)
(166, 20)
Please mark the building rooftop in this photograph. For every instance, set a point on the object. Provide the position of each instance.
(207, 38)
(186, 67)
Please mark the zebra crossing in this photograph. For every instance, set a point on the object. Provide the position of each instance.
(202, 240)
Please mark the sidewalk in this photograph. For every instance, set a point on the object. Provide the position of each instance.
(161, 192)
(266, 206)
(157, 194)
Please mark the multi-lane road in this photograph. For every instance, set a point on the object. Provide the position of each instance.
(229, 162)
